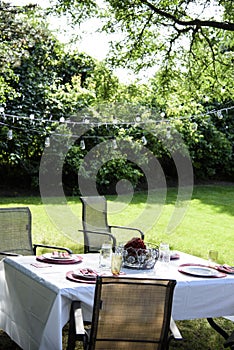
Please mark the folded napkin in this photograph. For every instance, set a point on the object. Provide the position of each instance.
(174, 256)
(85, 273)
(60, 255)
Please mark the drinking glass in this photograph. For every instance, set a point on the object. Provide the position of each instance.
(164, 253)
(116, 263)
(105, 255)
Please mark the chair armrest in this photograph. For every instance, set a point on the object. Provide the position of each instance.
(9, 254)
(35, 246)
(175, 331)
(129, 228)
(101, 233)
(104, 233)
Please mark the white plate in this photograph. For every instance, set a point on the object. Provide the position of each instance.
(200, 271)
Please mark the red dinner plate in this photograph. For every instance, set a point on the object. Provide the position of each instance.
(76, 277)
(74, 259)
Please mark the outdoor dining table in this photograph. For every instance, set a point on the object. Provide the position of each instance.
(35, 297)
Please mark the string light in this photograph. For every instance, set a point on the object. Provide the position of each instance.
(138, 119)
(143, 140)
(10, 134)
(219, 114)
(86, 120)
(168, 132)
(115, 146)
(47, 142)
(82, 144)
(194, 126)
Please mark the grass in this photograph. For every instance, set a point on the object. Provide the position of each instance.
(207, 224)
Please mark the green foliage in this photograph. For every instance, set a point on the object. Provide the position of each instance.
(40, 82)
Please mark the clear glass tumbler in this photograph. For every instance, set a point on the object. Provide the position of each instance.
(105, 256)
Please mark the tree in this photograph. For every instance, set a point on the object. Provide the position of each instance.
(40, 82)
(155, 30)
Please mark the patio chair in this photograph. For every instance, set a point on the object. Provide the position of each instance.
(96, 229)
(128, 314)
(16, 233)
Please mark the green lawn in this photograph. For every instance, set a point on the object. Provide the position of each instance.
(207, 224)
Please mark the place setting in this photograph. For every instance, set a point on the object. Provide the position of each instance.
(110, 264)
(199, 270)
(58, 257)
(211, 270)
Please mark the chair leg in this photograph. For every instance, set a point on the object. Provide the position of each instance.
(216, 327)
(76, 330)
(230, 342)
(72, 331)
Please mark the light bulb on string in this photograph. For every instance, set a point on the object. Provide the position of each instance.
(62, 119)
(194, 126)
(31, 117)
(115, 120)
(115, 146)
(138, 119)
(82, 144)
(219, 115)
(223, 89)
(168, 132)
(144, 140)
(10, 134)
(86, 120)
(47, 142)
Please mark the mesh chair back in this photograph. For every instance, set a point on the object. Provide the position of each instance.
(15, 231)
(131, 314)
(95, 227)
(94, 213)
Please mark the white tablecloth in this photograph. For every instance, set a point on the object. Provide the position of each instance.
(35, 301)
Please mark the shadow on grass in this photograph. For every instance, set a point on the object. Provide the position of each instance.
(197, 335)
(219, 196)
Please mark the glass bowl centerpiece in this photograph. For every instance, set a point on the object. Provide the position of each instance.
(138, 255)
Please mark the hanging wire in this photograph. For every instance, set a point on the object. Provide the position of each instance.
(86, 120)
